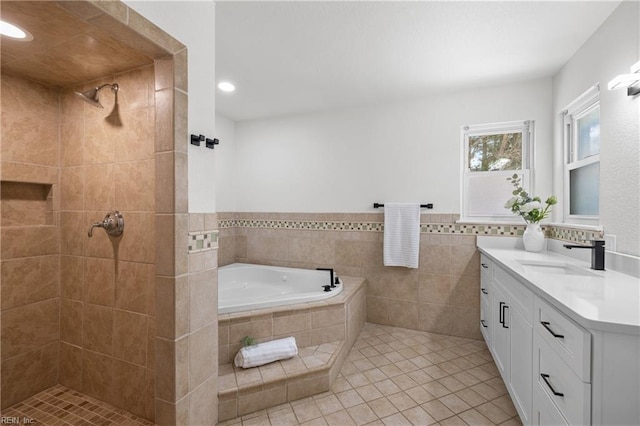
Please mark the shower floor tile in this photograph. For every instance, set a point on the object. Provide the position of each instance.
(60, 406)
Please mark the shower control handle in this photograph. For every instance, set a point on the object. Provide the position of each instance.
(113, 224)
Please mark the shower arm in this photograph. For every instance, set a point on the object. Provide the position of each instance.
(113, 224)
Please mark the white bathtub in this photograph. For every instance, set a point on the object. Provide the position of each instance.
(243, 287)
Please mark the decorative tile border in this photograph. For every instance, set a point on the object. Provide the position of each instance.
(573, 234)
(551, 231)
(202, 241)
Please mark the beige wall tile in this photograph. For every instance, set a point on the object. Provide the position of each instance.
(136, 88)
(130, 337)
(377, 310)
(327, 334)
(72, 188)
(203, 294)
(134, 286)
(71, 277)
(29, 373)
(97, 328)
(465, 322)
(98, 376)
(99, 281)
(16, 241)
(435, 318)
(71, 322)
(99, 187)
(165, 182)
(138, 239)
(435, 259)
(181, 121)
(29, 327)
(71, 366)
(202, 355)
(465, 260)
(163, 73)
(73, 233)
(291, 323)
(256, 329)
(434, 288)
(29, 280)
(181, 74)
(403, 313)
(165, 245)
(465, 291)
(164, 124)
(130, 384)
(327, 317)
(134, 185)
(203, 403)
(71, 141)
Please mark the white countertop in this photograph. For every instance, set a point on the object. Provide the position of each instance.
(603, 300)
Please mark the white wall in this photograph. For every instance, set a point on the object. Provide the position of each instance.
(343, 161)
(193, 24)
(609, 52)
(224, 163)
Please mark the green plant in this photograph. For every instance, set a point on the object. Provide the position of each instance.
(530, 208)
(248, 341)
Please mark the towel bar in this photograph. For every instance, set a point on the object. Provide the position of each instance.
(422, 206)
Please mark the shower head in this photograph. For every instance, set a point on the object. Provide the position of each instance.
(91, 96)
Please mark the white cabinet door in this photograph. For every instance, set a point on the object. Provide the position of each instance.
(521, 348)
(500, 338)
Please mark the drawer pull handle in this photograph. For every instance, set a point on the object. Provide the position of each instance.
(545, 377)
(485, 266)
(546, 324)
(503, 317)
(484, 291)
(483, 324)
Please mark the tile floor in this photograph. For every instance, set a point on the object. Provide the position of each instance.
(395, 376)
(60, 406)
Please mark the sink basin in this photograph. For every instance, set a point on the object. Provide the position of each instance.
(554, 268)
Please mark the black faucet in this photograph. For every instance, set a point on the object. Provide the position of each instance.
(331, 282)
(597, 253)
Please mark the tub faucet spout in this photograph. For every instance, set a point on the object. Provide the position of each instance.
(331, 284)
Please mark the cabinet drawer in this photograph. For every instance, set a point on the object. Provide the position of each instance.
(560, 385)
(571, 342)
(520, 296)
(545, 413)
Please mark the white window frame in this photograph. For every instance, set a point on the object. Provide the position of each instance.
(527, 130)
(577, 109)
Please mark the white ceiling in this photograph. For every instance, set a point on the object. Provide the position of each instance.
(294, 57)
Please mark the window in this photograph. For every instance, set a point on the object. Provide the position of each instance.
(491, 154)
(582, 158)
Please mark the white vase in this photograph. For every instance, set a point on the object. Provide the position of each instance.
(533, 237)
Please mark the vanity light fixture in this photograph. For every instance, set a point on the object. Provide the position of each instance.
(629, 81)
(227, 87)
(14, 32)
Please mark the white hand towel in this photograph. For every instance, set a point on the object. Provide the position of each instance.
(264, 353)
(401, 234)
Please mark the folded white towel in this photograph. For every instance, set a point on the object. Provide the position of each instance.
(264, 353)
(401, 234)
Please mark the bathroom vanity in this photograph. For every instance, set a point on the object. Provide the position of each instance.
(565, 338)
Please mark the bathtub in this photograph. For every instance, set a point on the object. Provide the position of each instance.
(244, 287)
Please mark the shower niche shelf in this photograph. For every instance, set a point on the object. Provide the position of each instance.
(26, 203)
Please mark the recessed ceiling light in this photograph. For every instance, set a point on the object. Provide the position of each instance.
(15, 32)
(225, 86)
